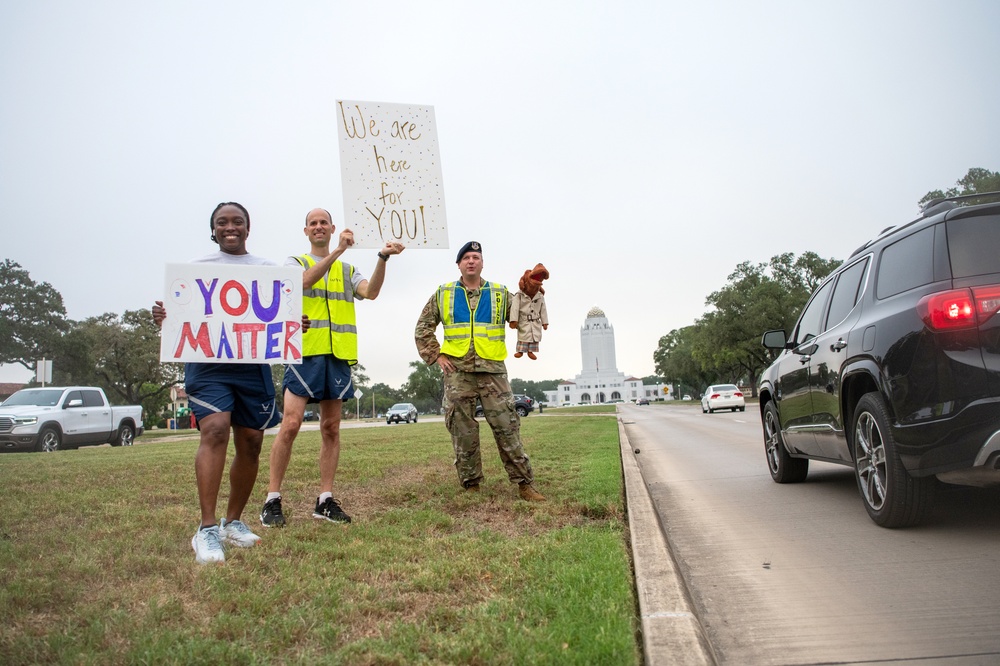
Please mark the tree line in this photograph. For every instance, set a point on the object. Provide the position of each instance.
(723, 345)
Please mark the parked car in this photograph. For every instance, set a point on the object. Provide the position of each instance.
(310, 415)
(642, 401)
(401, 411)
(523, 405)
(686, 397)
(53, 418)
(893, 367)
(722, 396)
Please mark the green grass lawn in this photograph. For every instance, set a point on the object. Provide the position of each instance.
(97, 568)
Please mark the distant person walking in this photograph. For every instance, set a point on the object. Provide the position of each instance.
(474, 313)
(329, 349)
(222, 397)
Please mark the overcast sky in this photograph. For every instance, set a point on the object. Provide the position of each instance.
(640, 150)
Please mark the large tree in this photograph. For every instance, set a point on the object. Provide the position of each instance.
(32, 317)
(383, 396)
(675, 361)
(121, 354)
(757, 297)
(976, 181)
(724, 344)
(425, 386)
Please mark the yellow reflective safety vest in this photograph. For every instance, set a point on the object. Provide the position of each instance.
(485, 326)
(329, 304)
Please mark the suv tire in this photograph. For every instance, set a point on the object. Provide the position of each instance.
(892, 497)
(783, 467)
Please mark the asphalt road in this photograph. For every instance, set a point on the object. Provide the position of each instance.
(798, 574)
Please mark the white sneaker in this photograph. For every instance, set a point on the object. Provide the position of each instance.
(207, 547)
(237, 534)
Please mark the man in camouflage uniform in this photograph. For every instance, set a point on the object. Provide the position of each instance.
(474, 313)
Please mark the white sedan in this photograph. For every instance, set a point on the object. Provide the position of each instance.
(722, 396)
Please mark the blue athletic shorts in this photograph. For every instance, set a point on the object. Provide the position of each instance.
(320, 378)
(245, 391)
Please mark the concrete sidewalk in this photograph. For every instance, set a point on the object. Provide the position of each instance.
(671, 633)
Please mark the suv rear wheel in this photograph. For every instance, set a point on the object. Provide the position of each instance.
(783, 467)
(892, 497)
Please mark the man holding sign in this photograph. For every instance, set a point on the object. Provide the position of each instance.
(226, 396)
(329, 349)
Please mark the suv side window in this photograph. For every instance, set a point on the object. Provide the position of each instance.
(846, 293)
(974, 245)
(906, 264)
(811, 321)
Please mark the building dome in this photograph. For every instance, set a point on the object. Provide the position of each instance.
(595, 312)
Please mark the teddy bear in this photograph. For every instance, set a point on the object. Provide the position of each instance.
(527, 311)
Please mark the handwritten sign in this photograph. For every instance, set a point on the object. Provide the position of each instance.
(232, 314)
(391, 171)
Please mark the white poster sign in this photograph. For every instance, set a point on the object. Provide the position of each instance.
(232, 314)
(390, 166)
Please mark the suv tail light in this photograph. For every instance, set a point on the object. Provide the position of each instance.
(959, 308)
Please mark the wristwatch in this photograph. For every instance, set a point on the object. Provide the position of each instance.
(383, 257)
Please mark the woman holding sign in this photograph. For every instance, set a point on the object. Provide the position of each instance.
(224, 397)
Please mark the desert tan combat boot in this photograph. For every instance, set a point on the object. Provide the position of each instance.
(529, 494)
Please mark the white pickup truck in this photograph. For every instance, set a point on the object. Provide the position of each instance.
(53, 418)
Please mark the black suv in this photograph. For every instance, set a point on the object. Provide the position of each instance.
(894, 365)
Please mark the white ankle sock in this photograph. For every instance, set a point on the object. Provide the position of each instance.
(271, 496)
(323, 497)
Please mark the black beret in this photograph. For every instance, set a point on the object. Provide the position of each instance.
(471, 246)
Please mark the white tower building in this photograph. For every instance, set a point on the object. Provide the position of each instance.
(597, 343)
(600, 381)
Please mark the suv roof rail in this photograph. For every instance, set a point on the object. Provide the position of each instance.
(932, 207)
(927, 209)
(869, 243)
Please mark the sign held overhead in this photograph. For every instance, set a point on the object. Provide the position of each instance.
(390, 166)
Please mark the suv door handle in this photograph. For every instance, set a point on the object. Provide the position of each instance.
(838, 345)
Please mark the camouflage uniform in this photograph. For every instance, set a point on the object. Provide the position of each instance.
(475, 377)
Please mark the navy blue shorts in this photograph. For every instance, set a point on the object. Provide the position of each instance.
(245, 391)
(320, 378)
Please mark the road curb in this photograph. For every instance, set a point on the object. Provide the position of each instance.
(671, 632)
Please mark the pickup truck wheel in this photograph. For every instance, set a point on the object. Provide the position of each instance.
(783, 467)
(892, 497)
(126, 436)
(49, 440)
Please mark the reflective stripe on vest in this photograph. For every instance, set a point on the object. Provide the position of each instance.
(329, 304)
(485, 326)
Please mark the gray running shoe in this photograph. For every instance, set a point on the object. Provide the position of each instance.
(237, 534)
(208, 546)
